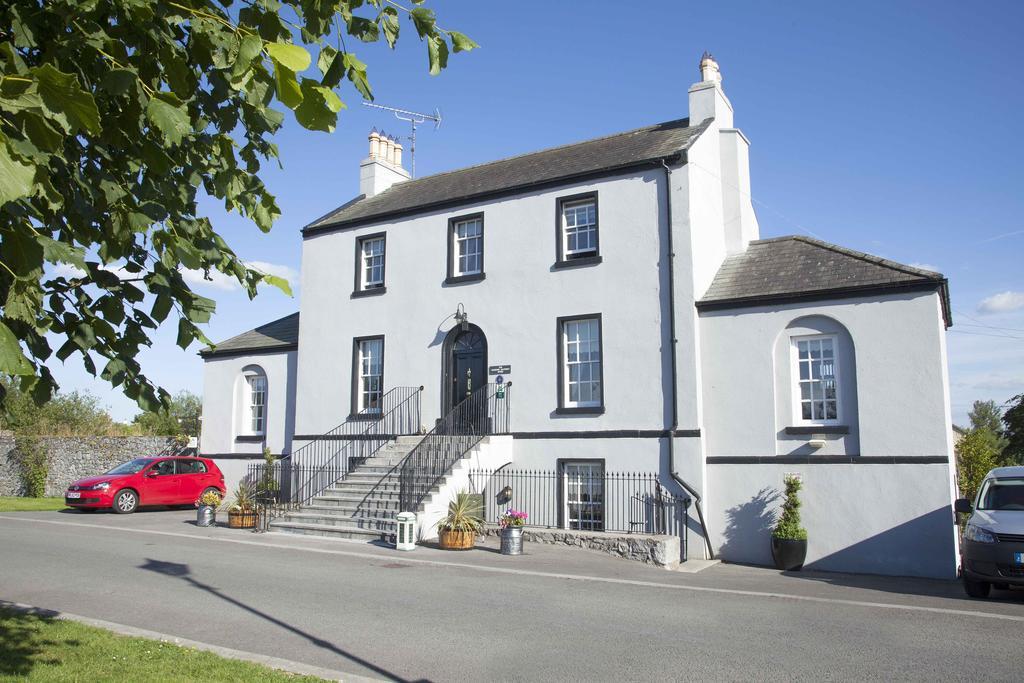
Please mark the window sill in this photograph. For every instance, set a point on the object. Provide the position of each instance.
(578, 262)
(368, 292)
(818, 429)
(591, 410)
(250, 438)
(363, 417)
(462, 279)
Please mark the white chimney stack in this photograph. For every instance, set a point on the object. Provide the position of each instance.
(383, 167)
(707, 99)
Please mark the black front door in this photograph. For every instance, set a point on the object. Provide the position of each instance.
(469, 365)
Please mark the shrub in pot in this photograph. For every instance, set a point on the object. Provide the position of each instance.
(242, 513)
(458, 529)
(789, 539)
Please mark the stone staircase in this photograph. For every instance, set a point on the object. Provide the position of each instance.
(361, 506)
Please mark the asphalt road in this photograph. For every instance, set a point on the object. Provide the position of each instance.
(554, 614)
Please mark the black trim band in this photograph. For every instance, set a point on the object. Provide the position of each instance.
(818, 295)
(577, 262)
(463, 279)
(237, 456)
(250, 438)
(346, 437)
(261, 351)
(818, 429)
(374, 291)
(827, 460)
(609, 434)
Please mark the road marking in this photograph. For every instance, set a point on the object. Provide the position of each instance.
(550, 575)
(227, 652)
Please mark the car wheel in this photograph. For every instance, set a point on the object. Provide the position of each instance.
(977, 589)
(126, 502)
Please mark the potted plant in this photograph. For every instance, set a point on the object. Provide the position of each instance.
(242, 513)
(789, 539)
(458, 529)
(206, 512)
(511, 524)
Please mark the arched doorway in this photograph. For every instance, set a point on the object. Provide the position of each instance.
(465, 363)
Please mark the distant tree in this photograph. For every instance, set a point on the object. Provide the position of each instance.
(975, 456)
(1013, 420)
(71, 414)
(986, 419)
(181, 418)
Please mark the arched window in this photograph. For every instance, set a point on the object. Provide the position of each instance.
(253, 409)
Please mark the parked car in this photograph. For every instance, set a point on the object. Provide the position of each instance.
(147, 481)
(993, 542)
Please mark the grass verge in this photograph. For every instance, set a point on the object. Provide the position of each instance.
(18, 504)
(39, 648)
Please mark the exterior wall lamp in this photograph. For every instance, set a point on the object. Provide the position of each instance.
(461, 317)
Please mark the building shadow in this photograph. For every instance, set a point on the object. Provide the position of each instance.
(749, 527)
(181, 571)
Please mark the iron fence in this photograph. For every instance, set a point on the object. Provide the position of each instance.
(297, 478)
(584, 497)
(484, 412)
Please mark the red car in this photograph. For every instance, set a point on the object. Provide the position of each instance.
(147, 481)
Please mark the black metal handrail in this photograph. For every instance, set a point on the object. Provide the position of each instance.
(297, 478)
(484, 412)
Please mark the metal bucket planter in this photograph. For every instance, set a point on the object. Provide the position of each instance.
(206, 515)
(512, 540)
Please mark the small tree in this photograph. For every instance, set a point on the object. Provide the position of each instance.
(975, 456)
(1013, 420)
(788, 525)
(986, 419)
(34, 464)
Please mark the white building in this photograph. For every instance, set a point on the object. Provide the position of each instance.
(645, 328)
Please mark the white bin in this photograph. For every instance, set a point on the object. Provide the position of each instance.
(405, 534)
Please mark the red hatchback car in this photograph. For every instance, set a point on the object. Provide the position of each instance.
(147, 481)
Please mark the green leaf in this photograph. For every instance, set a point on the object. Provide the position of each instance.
(61, 252)
(278, 282)
(12, 360)
(15, 177)
(185, 333)
(168, 114)
(250, 48)
(41, 133)
(66, 101)
(118, 81)
(295, 57)
(161, 307)
(288, 90)
(461, 42)
(437, 51)
(389, 23)
(319, 108)
(424, 20)
(356, 72)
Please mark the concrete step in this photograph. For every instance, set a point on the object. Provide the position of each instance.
(352, 511)
(353, 532)
(382, 492)
(366, 502)
(369, 523)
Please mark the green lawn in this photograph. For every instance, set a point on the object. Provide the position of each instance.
(17, 504)
(42, 649)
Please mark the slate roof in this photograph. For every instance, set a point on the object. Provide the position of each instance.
(797, 267)
(622, 150)
(279, 335)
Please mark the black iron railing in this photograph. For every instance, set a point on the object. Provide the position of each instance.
(484, 412)
(297, 478)
(584, 500)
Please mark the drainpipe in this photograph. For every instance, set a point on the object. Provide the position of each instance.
(672, 333)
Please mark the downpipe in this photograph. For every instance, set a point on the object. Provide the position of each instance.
(672, 348)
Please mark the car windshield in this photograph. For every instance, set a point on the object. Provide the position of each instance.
(1002, 494)
(131, 467)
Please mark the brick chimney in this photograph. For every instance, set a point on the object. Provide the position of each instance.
(383, 168)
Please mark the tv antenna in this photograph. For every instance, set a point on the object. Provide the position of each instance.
(414, 118)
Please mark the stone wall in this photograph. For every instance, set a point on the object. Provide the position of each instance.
(661, 551)
(76, 457)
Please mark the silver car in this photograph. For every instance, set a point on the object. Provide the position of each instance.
(993, 542)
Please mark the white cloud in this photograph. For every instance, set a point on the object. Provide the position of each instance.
(66, 270)
(926, 266)
(1002, 302)
(228, 283)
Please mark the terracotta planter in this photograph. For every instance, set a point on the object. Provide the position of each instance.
(456, 540)
(241, 519)
(788, 553)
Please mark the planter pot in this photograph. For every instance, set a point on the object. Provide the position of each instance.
(788, 553)
(512, 540)
(456, 540)
(206, 515)
(241, 519)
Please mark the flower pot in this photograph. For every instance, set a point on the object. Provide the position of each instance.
(241, 519)
(456, 540)
(789, 553)
(512, 540)
(206, 515)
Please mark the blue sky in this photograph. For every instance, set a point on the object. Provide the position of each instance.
(885, 127)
